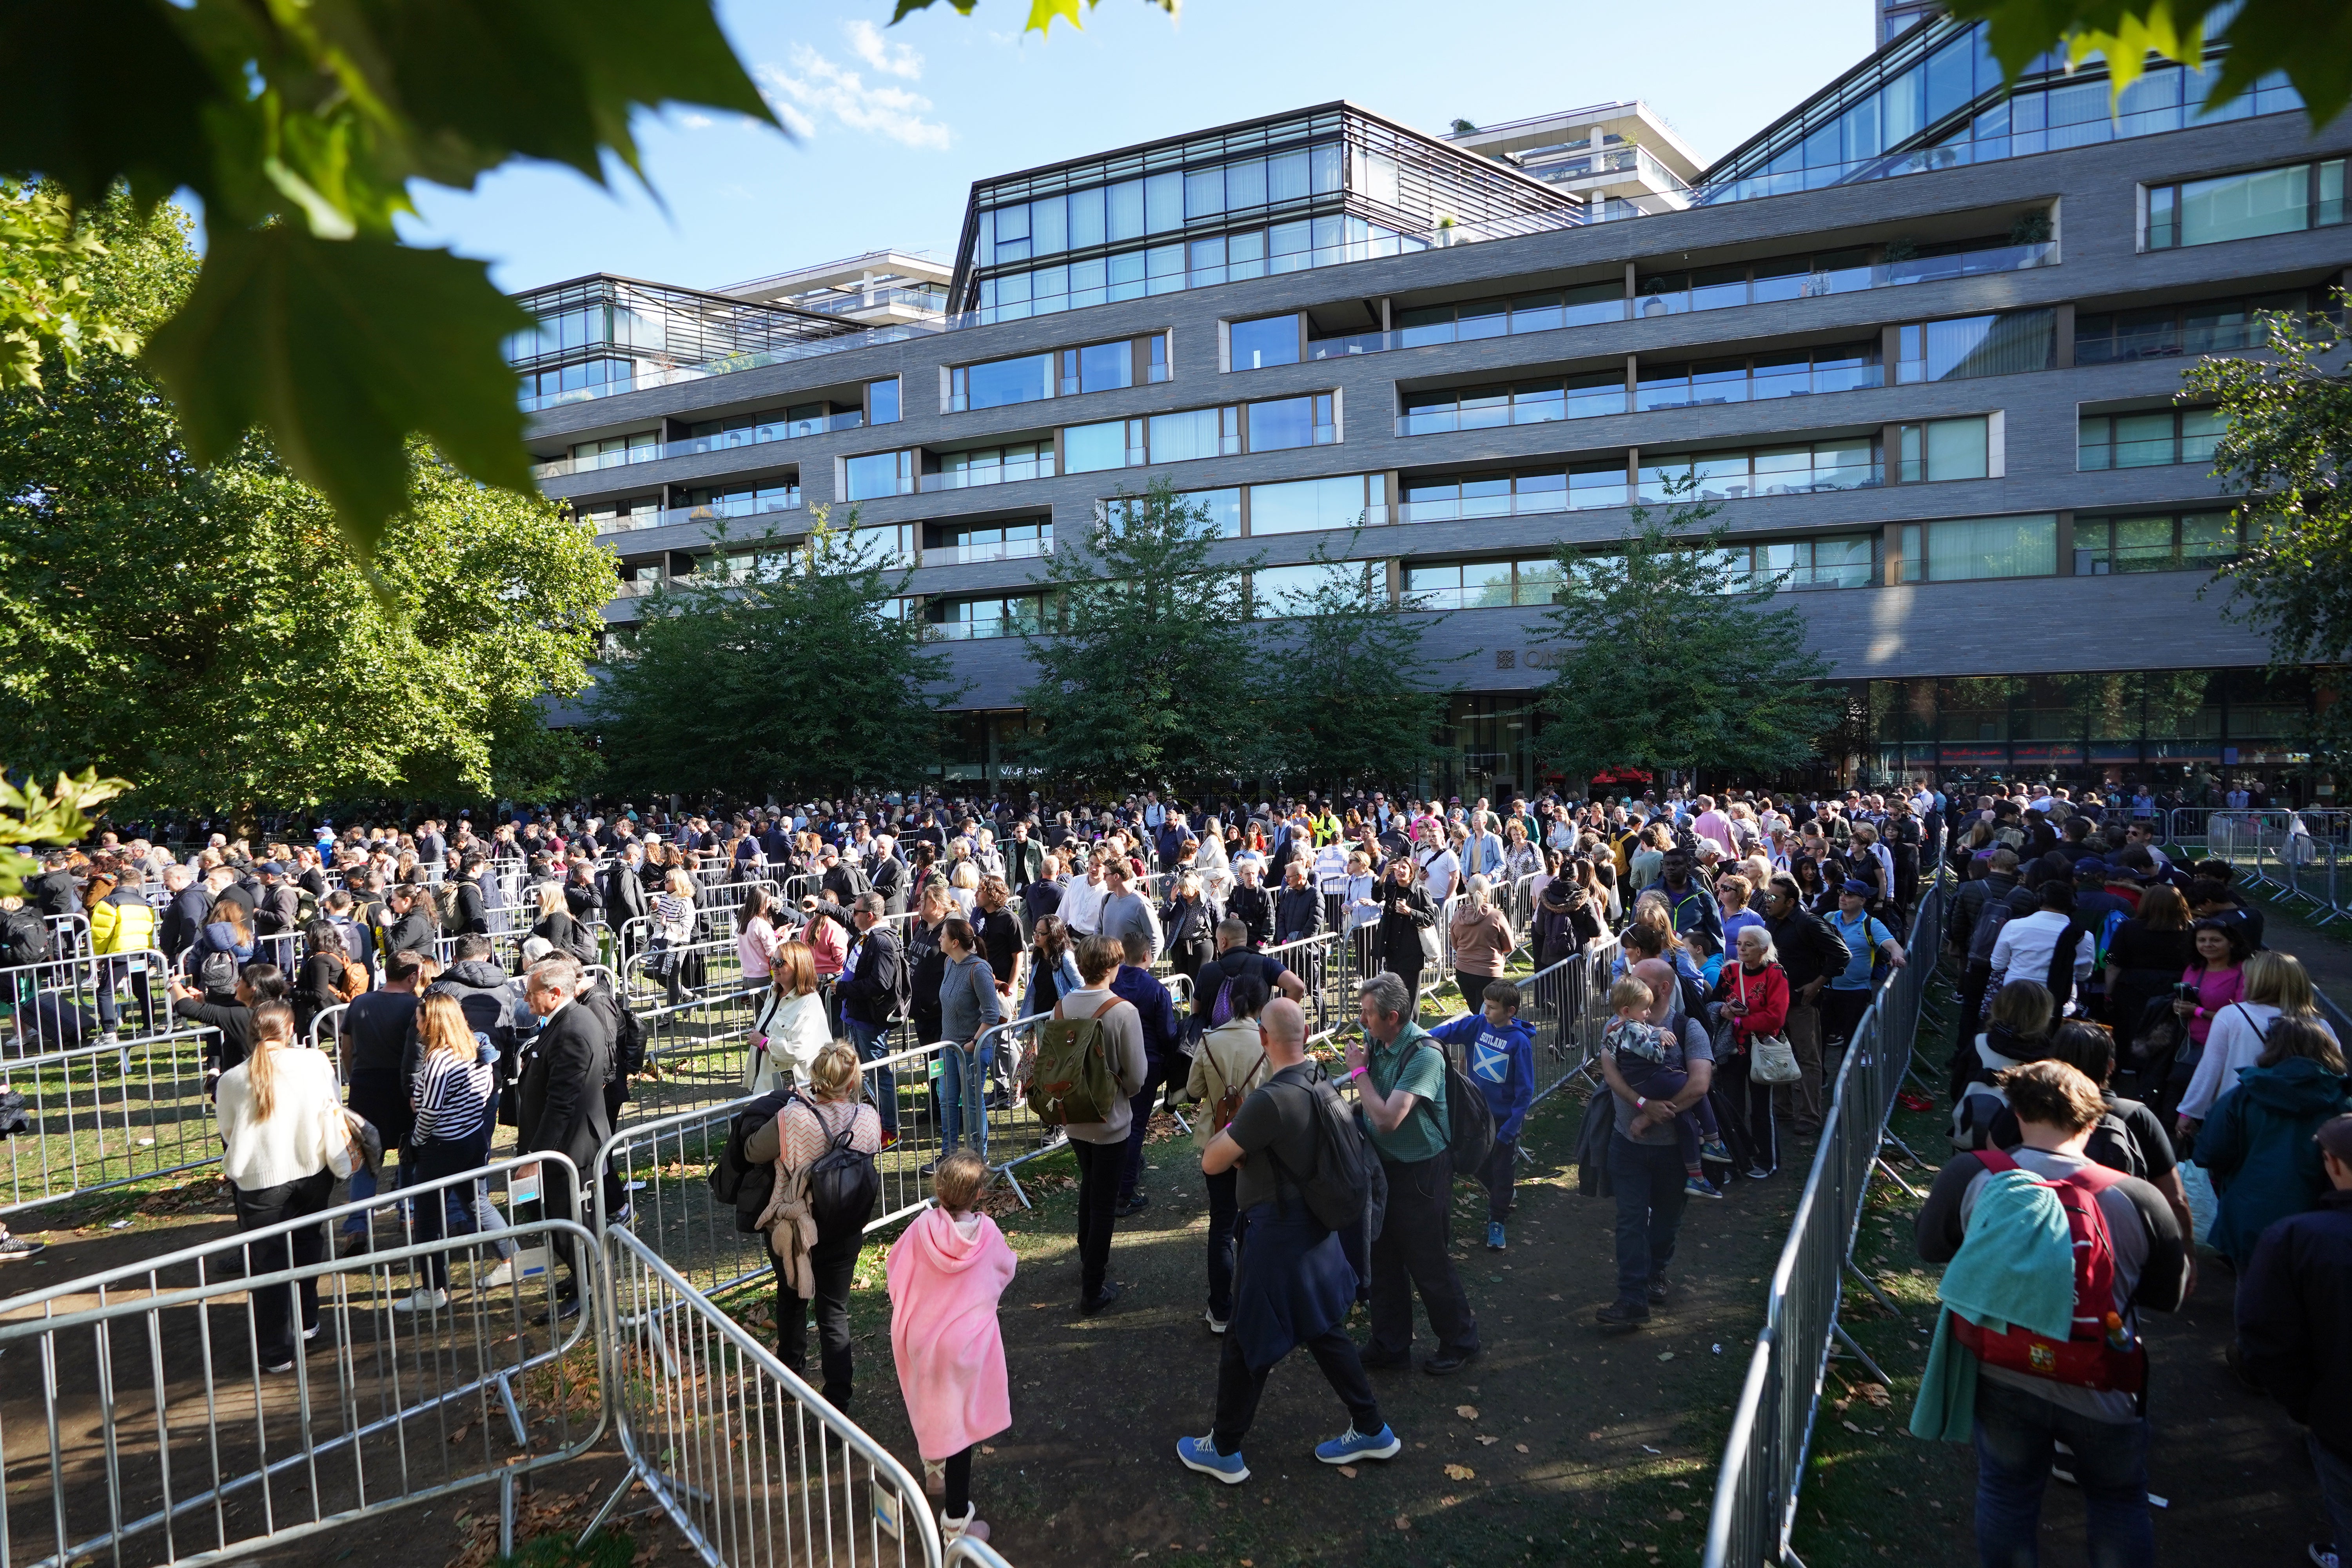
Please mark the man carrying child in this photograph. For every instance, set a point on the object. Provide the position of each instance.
(1645, 1162)
(1642, 1050)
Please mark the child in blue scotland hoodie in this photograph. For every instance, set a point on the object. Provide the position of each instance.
(1498, 1053)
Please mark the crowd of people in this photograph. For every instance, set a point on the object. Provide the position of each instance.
(1746, 933)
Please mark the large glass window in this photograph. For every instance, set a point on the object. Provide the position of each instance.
(1269, 341)
(1190, 434)
(1847, 561)
(1290, 590)
(1600, 482)
(2285, 200)
(1742, 283)
(1345, 500)
(1939, 449)
(1802, 469)
(2170, 331)
(613, 451)
(1281, 422)
(882, 402)
(747, 498)
(963, 542)
(1223, 508)
(1193, 433)
(1482, 585)
(1577, 397)
(623, 516)
(1004, 615)
(2004, 344)
(2192, 542)
(1971, 548)
(2150, 439)
(1698, 384)
(879, 474)
(1001, 382)
(1096, 367)
(993, 465)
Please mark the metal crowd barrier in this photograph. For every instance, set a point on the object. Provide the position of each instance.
(100, 1115)
(1568, 1005)
(164, 1438)
(745, 1458)
(1771, 1430)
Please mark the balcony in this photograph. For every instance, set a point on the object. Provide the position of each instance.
(993, 472)
(751, 435)
(1706, 389)
(1520, 504)
(708, 512)
(646, 373)
(988, 550)
(1822, 282)
(1583, 405)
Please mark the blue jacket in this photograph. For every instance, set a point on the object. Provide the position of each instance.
(1155, 1003)
(1501, 1062)
(1693, 910)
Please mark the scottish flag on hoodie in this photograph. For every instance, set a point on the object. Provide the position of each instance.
(1501, 1062)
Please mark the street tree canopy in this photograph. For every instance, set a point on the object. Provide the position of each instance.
(2287, 452)
(794, 677)
(1668, 656)
(1358, 698)
(202, 632)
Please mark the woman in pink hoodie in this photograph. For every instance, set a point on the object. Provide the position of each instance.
(945, 1276)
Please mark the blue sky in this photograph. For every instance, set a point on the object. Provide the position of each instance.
(895, 123)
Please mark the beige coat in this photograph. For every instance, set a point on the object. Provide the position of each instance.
(1231, 1054)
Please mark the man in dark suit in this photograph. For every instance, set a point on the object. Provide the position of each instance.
(624, 890)
(563, 1108)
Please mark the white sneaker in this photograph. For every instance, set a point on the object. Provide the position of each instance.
(953, 1529)
(424, 1298)
(502, 1275)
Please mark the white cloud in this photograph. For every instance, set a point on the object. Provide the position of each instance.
(865, 41)
(815, 91)
(689, 121)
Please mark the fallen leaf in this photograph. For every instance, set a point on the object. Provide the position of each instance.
(1592, 1436)
(1486, 1442)
(1850, 1426)
(986, 1449)
(1522, 1447)
(1447, 1501)
(1039, 1306)
(1665, 1355)
(1467, 1412)
(1460, 1473)
(1674, 1516)
(1349, 1471)
(459, 1435)
(1403, 1523)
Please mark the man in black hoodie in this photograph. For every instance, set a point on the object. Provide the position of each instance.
(1810, 953)
(53, 892)
(2294, 1328)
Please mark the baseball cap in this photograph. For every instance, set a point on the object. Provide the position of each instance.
(1857, 887)
(2090, 867)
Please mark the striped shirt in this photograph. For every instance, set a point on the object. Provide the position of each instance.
(452, 1093)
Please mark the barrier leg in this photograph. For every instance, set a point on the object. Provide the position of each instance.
(1872, 1286)
(604, 1512)
(506, 1515)
(1877, 1373)
(1015, 1182)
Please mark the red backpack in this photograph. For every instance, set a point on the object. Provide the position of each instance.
(2085, 1358)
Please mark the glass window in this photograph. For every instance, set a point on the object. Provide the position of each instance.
(1942, 449)
(1205, 193)
(2242, 206)
(2002, 345)
(1163, 202)
(880, 474)
(1183, 436)
(1245, 183)
(1104, 367)
(1006, 381)
(1049, 230)
(1968, 548)
(2201, 430)
(1324, 162)
(2144, 441)
(882, 402)
(1284, 423)
(1286, 177)
(1288, 589)
(2199, 542)
(1125, 204)
(1088, 448)
(1269, 341)
(1086, 218)
(1304, 505)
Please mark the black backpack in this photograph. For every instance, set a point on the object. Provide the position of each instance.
(1346, 1187)
(1470, 1123)
(844, 1184)
(23, 937)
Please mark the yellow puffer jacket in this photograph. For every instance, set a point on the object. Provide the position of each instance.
(121, 922)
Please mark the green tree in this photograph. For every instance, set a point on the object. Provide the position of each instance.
(300, 125)
(2288, 452)
(1145, 659)
(33, 815)
(1357, 698)
(1670, 658)
(204, 632)
(782, 668)
(2310, 40)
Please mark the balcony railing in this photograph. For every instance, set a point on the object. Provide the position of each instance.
(1350, 344)
(976, 631)
(706, 514)
(2152, 452)
(1448, 510)
(757, 435)
(2173, 340)
(1796, 482)
(651, 372)
(1038, 468)
(1580, 406)
(1806, 579)
(849, 304)
(1847, 280)
(989, 550)
(1758, 388)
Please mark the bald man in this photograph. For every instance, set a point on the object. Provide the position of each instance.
(1644, 1163)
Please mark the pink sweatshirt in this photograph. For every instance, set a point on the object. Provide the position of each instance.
(944, 1333)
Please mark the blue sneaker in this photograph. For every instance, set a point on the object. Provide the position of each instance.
(1351, 1444)
(1201, 1453)
(1494, 1236)
(1700, 1187)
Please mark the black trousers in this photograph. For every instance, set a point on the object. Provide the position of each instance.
(1224, 1206)
(1499, 1175)
(430, 1161)
(1099, 1168)
(274, 1309)
(1841, 1011)
(1239, 1385)
(1744, 1109)
(1409, 1254)
(555, 1203)
(1155, 1077)
(835, 1263)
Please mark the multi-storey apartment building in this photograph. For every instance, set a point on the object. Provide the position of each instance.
(1921, 336)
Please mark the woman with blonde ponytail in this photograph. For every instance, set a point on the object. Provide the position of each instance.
(274, 1108)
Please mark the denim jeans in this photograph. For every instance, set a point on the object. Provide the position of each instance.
(2335, 1488)
(2014, 1437)
(113, 973)
(873, 1043)
(1650, 1202)
(964, 1098)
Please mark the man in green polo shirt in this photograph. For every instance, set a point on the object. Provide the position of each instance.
(1401, 1082)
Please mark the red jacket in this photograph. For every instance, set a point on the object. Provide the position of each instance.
(1767, 995)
